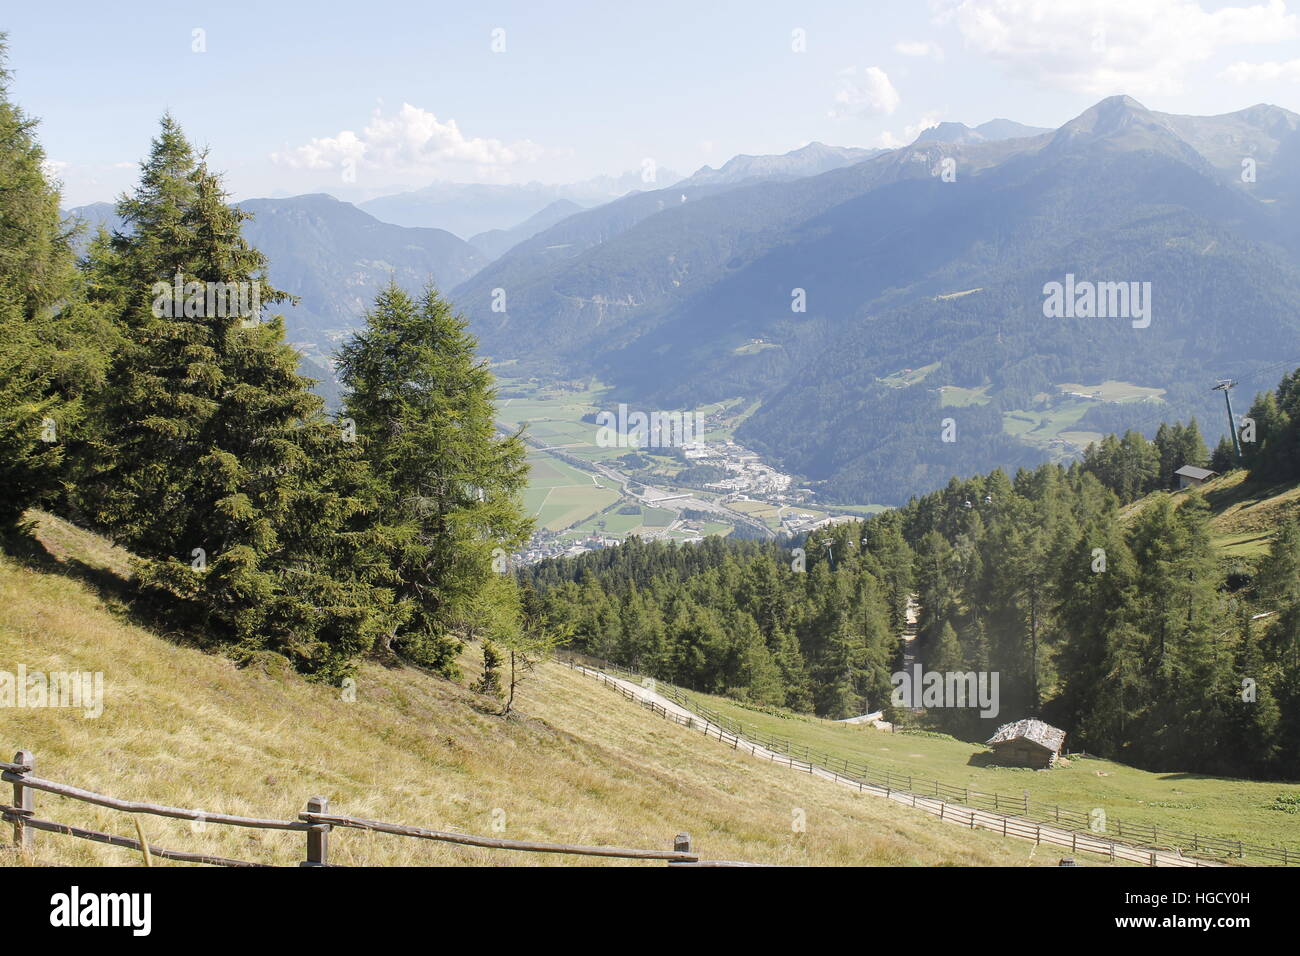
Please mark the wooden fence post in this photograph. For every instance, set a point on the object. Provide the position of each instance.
(681, 844)
(24, 799)
(318, 836)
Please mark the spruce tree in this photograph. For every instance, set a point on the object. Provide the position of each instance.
(216, 465)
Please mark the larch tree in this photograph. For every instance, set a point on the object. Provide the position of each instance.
(53, 348)
(423, 403)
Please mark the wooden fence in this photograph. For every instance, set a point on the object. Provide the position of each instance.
(316, 822)
(1011, 816)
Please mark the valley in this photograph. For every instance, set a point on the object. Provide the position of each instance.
(585, 495)
(648, 439)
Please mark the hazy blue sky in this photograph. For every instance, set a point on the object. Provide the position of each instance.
(298, 97)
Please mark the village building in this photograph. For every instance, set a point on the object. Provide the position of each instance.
(1027, 743)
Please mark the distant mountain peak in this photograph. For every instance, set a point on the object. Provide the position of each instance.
(949, 132)
(808, 160)
(1113, 113)
(1000, 129)
(962, 135)
(1121, 122)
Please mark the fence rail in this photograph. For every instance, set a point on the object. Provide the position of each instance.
(1029, 811)
(316, 822)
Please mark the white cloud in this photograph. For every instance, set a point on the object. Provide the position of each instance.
(1268, 72)
(865, 92)
(412, 140)
(888, 140)
(1112, 46)
(919, 48)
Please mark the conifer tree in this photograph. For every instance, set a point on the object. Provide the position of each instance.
(53, 349)
(216, 465)
(423, 402)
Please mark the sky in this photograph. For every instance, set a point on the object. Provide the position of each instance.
(365, 98)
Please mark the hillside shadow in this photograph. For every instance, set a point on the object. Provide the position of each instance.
(121, 596)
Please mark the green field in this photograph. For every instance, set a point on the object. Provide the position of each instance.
(565, 507)
(908, 376)
(1112, 391)
(1044, 426)
(954, 396)
(1217, 806)
(549, 472)
(559, 495)
(1052, 422)
(753, 348)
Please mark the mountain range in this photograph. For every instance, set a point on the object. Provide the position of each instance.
(471, 209)
(934, 256)
(808, 160)
(860, 298)
(334, 258)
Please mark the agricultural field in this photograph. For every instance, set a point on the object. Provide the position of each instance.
(908, 376)
(1052, 422)
(753, 348)
(564, 507)
(1112, 391)
(770, 515)
(611, 521)
(553, 416)
(559, 495)
(1046, 426)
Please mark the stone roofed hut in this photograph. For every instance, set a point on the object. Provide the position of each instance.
(1027, 743)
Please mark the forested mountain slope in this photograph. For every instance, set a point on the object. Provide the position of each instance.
(1159, 628)
(933, 256)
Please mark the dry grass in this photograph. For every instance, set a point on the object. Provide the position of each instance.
(584, 766)
(1245, 516)
(1242, 510)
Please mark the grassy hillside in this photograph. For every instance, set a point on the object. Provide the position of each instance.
(1245, 516)
(579, 765)
(1218, 806)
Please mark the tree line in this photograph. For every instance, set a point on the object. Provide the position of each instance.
(1128, 630)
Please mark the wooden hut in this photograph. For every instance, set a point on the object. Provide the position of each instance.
(1027, 743)
(1189, 476)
